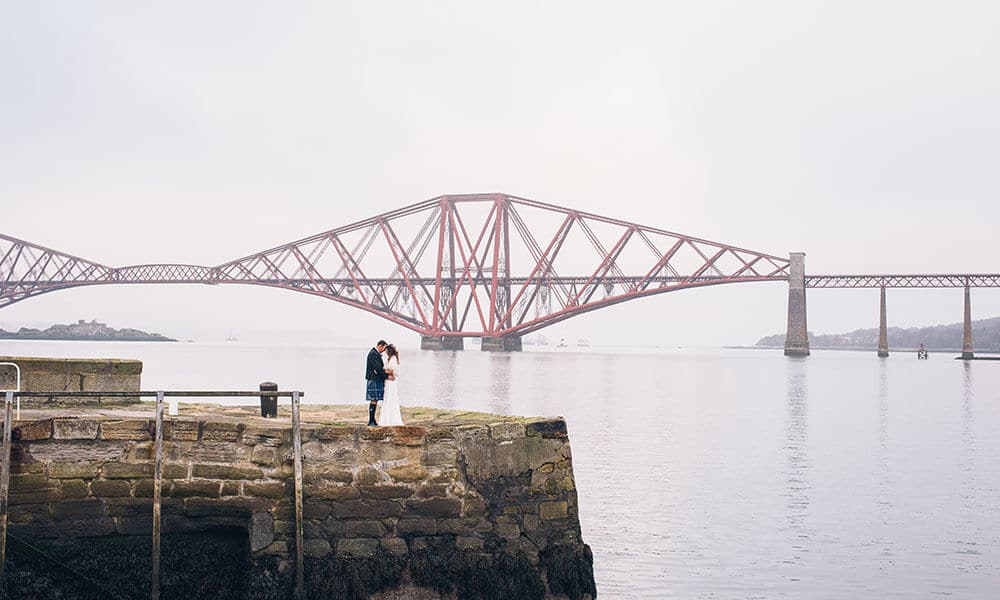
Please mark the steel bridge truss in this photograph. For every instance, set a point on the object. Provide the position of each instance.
(904, 281)
(482, 265)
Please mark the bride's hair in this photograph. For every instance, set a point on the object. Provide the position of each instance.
(391, 351)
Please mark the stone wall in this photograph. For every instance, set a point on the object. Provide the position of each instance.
(456, 505)
(73, 374)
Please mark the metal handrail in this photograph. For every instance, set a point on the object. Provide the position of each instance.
(158, 465)
(17, 383)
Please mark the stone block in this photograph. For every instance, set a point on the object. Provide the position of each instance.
(507, 530)
(75, 429)
(82, 470)
(408, 473)
(337, 432)
(231, 488)
(78, 509)
(267, 489)
(29, 513)
(254, 436)
(30, 481)
(548, 429)
(357, 548)
(110, 488)
(121, 470)
(451, 526)
(367, 509)
(131, 507)
(467, 543)
(316, 548)
(217, 452)
(409, 435)
(132, 429)
(434, 434)
(180, 430)
(435, 507)
(506, 430)
(385, 492)
(60, 451)
(546, 468)
(364, 529)
(433, 491)
(92, 527)
(190, 489)
(315, 509)
(32, 430)
(226, 472)
(220, 432)
(327, 473)
(530, 522)
(264, 455)
(439, 455)
(226, 507)
(369, 476)
(174, 471)
(553, 510)
(42, 496)
(394, 546)
(261, 531)
(332, 491)
(372, 434)
(413, 526)
(73, 488)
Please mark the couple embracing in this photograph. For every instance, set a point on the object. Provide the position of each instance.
(381, 373)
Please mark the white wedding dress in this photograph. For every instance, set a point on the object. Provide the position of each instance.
(390, 401)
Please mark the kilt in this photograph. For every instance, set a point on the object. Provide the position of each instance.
(375, 390)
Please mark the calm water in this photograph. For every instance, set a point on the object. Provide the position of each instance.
(710, 473)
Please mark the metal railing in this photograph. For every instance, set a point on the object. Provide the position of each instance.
(295, 396)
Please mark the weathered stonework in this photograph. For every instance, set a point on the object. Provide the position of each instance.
(453, 505)
(74, 375)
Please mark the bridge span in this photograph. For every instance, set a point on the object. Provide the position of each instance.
(489, 266)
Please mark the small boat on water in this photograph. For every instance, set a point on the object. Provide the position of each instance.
(582, 343)
(562, 343)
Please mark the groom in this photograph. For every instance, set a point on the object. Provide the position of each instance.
(376, 376)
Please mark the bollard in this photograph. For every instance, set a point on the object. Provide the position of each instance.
(268, 404)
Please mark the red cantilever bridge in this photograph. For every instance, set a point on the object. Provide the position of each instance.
(492, 266)
(484, 265)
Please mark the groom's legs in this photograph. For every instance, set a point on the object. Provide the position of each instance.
(374, 392)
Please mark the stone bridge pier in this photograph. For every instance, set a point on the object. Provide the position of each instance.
(797, 335)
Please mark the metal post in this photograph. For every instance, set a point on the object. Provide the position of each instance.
(883, 333)
(967, 326)
(5, 478)
(157, 489)
(300, 592)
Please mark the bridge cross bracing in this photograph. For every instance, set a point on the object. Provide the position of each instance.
(477, 265)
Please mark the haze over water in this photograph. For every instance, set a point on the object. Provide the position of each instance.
(708, 473)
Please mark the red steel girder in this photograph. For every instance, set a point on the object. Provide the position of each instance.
(500, 265)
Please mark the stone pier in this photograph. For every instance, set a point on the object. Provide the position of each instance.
(967, 328)
(453, 505)
(883, 332)
(797, 335)
(510, 343)
(441, 342)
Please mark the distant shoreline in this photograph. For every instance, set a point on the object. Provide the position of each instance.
(82, 331)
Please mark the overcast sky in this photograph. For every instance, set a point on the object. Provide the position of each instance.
(865, 134)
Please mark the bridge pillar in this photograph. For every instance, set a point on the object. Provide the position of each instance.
(967, 328)
(883, 333)
(441, 342)
(503, 343)
(797, 336)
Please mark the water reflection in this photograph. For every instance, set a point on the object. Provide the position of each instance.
(884, 501)
(444, 378)
(500, 383)
(797, 457)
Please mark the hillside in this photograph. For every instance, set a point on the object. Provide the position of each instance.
(985, 338)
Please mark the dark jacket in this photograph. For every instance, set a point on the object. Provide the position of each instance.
(373, 369)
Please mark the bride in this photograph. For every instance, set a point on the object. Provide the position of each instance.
(390, 403)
